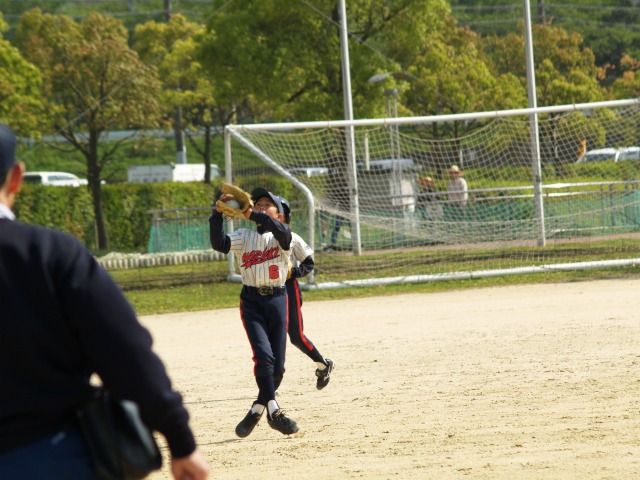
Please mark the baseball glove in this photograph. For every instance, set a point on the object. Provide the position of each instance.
(232, 192)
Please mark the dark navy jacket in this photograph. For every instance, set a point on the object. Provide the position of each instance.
(62, 318)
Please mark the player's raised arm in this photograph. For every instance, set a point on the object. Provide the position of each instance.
(220, 242)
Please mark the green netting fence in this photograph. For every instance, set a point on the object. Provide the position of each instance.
(575, 213)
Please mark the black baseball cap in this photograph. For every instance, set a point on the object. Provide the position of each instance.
(7, 148)
(260, 192)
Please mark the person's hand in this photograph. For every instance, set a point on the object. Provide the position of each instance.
(247, 213)
(193, 467)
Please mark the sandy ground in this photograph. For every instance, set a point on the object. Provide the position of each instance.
(524, 382)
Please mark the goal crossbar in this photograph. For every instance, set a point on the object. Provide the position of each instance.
(392, 154)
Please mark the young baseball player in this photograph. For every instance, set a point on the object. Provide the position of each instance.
(302, 265)
(263, 256)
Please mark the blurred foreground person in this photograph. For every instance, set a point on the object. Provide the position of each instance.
(63, 319)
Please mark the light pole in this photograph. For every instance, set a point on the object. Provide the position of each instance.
(390, 93)
(350, 135)
(395, 189)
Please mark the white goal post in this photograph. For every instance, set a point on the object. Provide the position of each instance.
(370, 219)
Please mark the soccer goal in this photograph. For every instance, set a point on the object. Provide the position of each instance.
(380, 200)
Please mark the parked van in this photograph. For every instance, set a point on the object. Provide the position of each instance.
(185, 172)
(599, 155)
(309, 171)
(59, 179)
(393, 178)
(615, 154)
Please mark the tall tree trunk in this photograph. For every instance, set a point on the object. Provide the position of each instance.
(96, 195)
(93, 177)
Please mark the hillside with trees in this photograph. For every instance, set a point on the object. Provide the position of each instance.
(77, 70)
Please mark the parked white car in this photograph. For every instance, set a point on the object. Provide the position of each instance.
(629, 153)
(60, 179)
(615, 154)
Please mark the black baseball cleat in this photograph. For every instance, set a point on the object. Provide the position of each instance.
(324, 375)
(279, 421)
(247, 424)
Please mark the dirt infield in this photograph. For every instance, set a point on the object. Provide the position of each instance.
(524, 382)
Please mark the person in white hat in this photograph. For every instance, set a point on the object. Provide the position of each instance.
(457, 195)
(457, 187)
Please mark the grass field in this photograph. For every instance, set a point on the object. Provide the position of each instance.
(184, 288)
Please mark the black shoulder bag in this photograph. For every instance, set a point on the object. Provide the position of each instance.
(121, 446)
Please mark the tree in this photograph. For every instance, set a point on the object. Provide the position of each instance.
(628, 85)
(282, 59)
(453, 76)
(20, 89)
(92, 82)
(609, 29)
(565, 71)
(173, 46)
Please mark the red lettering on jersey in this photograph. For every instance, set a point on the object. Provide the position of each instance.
(257, 257)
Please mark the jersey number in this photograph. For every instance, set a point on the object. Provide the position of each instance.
(274, 272)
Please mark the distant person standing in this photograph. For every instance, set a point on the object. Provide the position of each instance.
(457, 193)
(457, 187)
(338, 193)
(428, 200)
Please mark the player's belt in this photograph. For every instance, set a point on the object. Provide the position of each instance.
(265, 291)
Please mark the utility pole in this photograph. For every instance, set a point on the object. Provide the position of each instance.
(533, 126)
(542, 19)
(350, 134)
(181, 148)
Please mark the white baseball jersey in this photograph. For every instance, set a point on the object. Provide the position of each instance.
(263, 262)
(299, 249)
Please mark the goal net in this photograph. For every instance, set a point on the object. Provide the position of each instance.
(383, 200)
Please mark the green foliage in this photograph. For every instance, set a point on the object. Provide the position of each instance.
(65, 208)
(126, 208)
(609, 28)
(454, 77)
(20, 89)
(92, 82)
(187, 85)
(628, 85)
(284, 58)
(565, 69)
(597, 171)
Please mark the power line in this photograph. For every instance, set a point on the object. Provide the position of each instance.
(518, 6)
(593, 7)
(492, 8)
